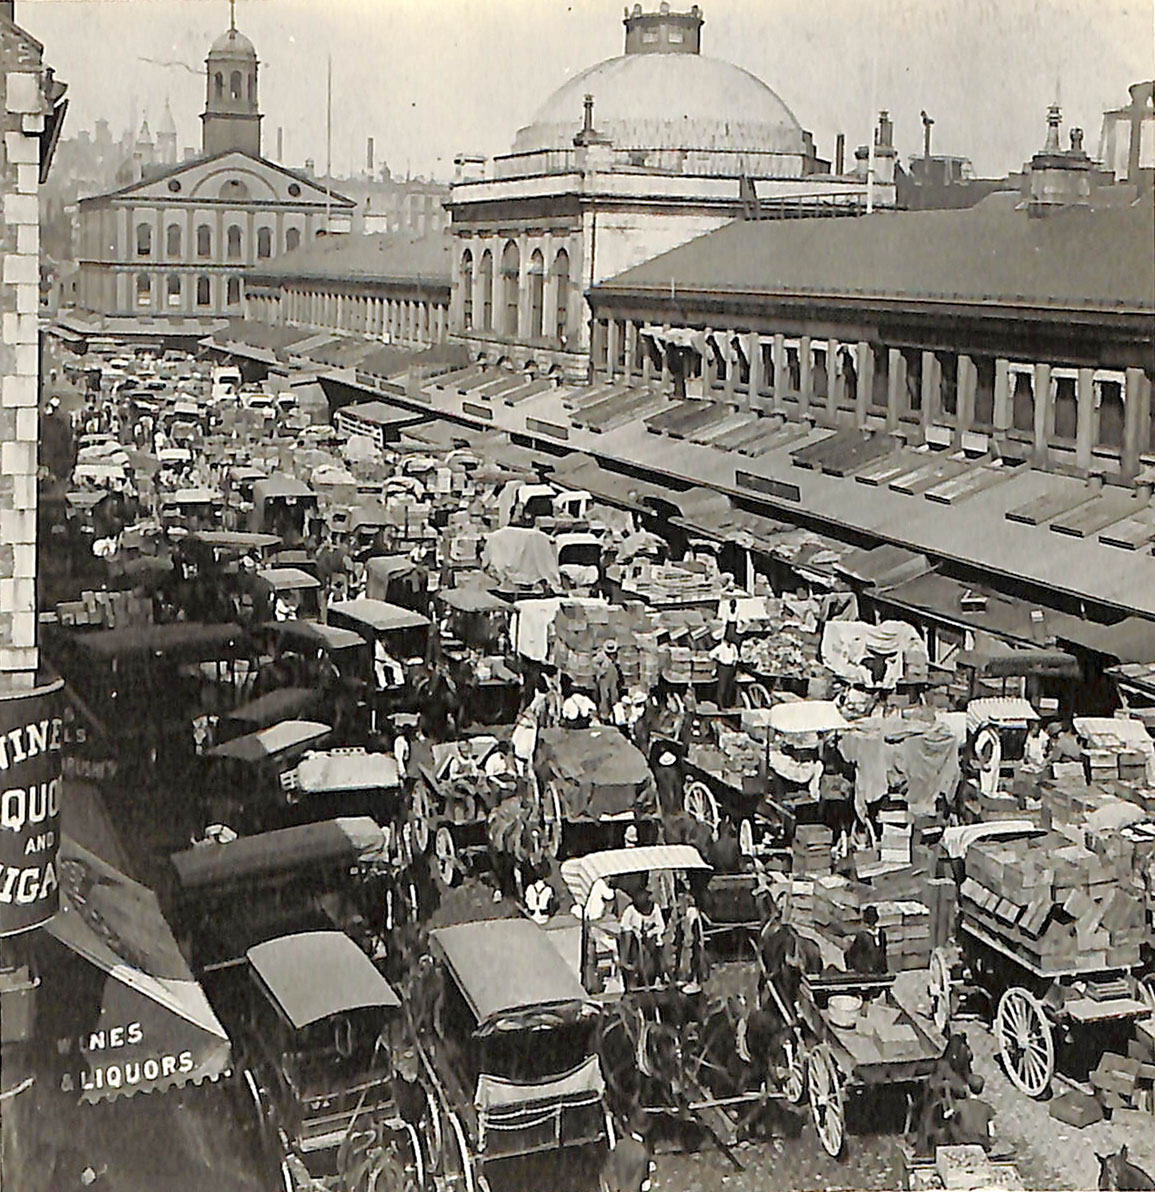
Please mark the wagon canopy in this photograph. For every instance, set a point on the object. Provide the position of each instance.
(807, 716)
(377, 615)
(472, 600)
(511, 975)
(340, 770)
(316, 974)
(268, 742)
(580, 873)
(298, 635)
(288, 579)
(1009, 711)
(347, 839)
(596, 771)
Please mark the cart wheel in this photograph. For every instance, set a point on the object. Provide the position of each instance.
(701, 805)
(420, 815)
(754, 695)
(1025, 1041)
(794, 1084)
(675, 703)
(434, 1138)
(445, 852)
(826, 1108)
(458, 1161)
(746, 838)
(939, 989)
(551, 817)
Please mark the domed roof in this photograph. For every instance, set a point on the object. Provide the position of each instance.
(233, 43)
(667, 101)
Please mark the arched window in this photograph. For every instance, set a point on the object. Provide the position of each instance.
(218, 84)
(233, 291)
(172, 289)
(143, 239)
(487, 291)
(234, 242)
(510, 287)
(1022, 383)
(467, 290)
(204, 241)
(264, 243)
(536, 294)
(235, 84)
(204, 291)
(292, 239)
(172, 240)
(561, 283)
(1108, 391)
(143, 290)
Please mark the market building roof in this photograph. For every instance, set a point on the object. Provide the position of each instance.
(377, 256)
(1082, 258)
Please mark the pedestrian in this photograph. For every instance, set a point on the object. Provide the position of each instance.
(607, 679)
(725, 655)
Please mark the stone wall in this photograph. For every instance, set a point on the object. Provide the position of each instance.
(22, 112)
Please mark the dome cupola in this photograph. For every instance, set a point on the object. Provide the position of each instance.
(232, 117)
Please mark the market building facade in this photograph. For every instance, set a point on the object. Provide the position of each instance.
(628, 159)
(173, 247)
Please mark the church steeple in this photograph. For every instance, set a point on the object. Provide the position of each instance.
(232, 118)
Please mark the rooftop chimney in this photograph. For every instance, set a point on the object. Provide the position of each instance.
(927, 125)
(839, 154)
(280, 143)
(369, 155)
(1059, 178)
(663, 32)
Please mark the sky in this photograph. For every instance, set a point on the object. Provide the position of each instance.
(428, 79)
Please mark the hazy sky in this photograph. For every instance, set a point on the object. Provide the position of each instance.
(431, 78)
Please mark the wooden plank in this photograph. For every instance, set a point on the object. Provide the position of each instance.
(1050, 505)
(968, 483)
(1132, 533)
(939, 467)
(889, 468)
(1095, 515)
(782, 437)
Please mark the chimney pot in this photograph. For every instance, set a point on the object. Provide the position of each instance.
(1076, 140)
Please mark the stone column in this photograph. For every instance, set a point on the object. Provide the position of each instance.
(1085, 424)
(864, 363)
(548, 290)
(496, 287)
(611, 348)
(931, 389)
(664, 380)
(1136, 420)
(523, 287)
(1044, 416)
(805, 376)
(1003, 414)
(753, 343)
(778, 354)
(731, 356)
(833, 381)
(968, 380)
(895, 387)
(628, 363)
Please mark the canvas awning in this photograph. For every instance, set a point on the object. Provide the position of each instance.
(154, 1028)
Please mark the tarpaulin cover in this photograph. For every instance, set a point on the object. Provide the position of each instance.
(472, 600)
(846, 644)
(275, 706)
(889, 750)
(807, 716)
(346, 839)
(581, 1086)
(166, 1034)
(347, 771)
(597, 772)
(522, 557)
(267, 742)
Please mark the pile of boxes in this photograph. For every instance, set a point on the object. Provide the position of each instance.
(1062, 904)
(106, 610)
(812, 848)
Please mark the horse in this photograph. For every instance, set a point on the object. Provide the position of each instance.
(951, 1115)
(516, 842)
(640, 1057)
(784, 956)
(1118, 1172)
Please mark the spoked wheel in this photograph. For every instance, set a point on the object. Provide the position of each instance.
(939, 989)
(701, 805)
(754, 695)
(445, 856)
(826, 1103)
(420, 814)
(794, 1084)
(1025, 1041)
(551, 819)
(434, 1138)
(458, 1161)
(746, 838)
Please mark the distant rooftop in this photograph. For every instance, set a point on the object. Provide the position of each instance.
(379, 256)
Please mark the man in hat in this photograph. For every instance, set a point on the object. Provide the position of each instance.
(668, 779)
(725, 655)
(607, 679)
(867, 951)
(577, 710)
(643, 929)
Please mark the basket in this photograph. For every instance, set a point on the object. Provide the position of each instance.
(843, 1010)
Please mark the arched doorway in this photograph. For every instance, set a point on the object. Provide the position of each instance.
(510, 287)
(536, 295)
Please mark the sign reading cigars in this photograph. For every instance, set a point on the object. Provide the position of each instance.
(31, 736)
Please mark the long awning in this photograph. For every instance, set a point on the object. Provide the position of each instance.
(153, 1028)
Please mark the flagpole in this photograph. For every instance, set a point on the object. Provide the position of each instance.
(328, 144)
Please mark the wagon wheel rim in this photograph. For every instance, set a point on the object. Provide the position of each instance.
(419, 816)
(434, 1138)
(445, 852)
(826, 1109)
(1025, 1040)
(463, 1155)
(701, 805)
(754, 695)
(794, 1085)
(551, 818)
(939, 988)
(746, 838)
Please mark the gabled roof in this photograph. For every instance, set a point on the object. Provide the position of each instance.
(379, 256)
(1078, 259)
(196, 162)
